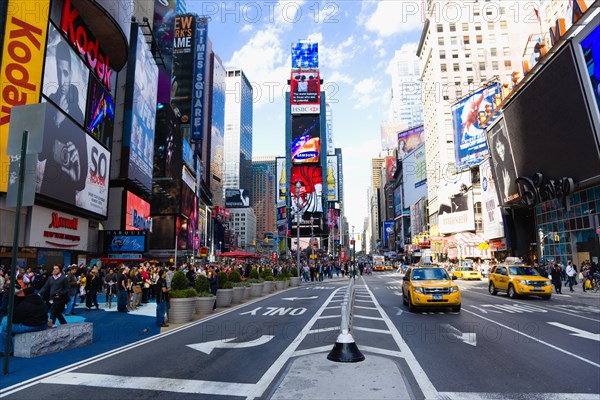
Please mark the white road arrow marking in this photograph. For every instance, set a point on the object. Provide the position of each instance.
(300, 298)
(578, 332)
(468, 338)
(208, 347)
(397, 293)
(399, 312)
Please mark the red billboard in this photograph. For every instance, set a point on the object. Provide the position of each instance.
(305, 88)
(310, 195)
(137, 214)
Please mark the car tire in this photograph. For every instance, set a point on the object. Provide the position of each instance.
(456, 308)
(492, 289)
(411, 307)
(511, 292)
(404, 299)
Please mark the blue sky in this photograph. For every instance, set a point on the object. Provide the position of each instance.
(357, 40)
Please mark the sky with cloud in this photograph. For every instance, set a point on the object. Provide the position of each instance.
(357, 40)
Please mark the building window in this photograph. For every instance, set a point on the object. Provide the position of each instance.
(456, 67)
(453, 41)
(466, 39)
(479, 39)
(494, 52)
(465, 27)
(477, 26)
(507, 64)
(482, 66)
(442, 54)
(452, 27)
(503, 25)
(490, 26)
(443, 67)
(506, 52)
(478, 208)
(469, 68)
(494, 65)
(455, 54)
(440, 28)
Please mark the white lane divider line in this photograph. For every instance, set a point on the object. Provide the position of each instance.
(366, 308)
(321, 330)
(372, 330)
(367, 317)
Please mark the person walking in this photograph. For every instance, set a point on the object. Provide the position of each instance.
(556, 274)
(57, 288)
(122, 289)
(571, 272)
(110, 283)
(161, 294)
(73, 287)
(92, 287)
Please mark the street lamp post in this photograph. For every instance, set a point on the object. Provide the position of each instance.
(298, 186)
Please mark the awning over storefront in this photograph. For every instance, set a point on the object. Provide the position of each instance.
(464, 239)
(466, 245)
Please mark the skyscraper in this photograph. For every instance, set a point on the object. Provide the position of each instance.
(264, 185)
(238, 131)
(406, 106)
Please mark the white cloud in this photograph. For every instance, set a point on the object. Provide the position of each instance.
(366, 93)
(339, 77)
(246, 28)
(288, 12)
(392, 17)
(335, 57)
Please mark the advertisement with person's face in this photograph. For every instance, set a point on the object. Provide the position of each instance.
(305, 88)
(456, 212)
(493, 225)
(503, 166)
(143, 114)
(469, 135)
(65, 79)
(409, 140)
(310, 196)
(306, 139)
(237, 198)
(100, 117)
(72, 167)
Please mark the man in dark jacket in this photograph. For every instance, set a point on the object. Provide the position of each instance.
(30, 315)
(57, 288)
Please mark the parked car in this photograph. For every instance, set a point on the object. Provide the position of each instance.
(466, 273)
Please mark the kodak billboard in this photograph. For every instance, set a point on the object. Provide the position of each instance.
(22, 64)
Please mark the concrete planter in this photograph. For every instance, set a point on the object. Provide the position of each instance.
(256, 289)
(280, 285)
(295, 281)
(224, 297)
(238, 294)
(267, 287)
(181, 310)
(287, 283)
(204, 305)
(247, 292)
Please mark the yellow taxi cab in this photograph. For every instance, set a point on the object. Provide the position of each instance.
(466, 273)
(519, 280)
(389, 267)
(430, 287)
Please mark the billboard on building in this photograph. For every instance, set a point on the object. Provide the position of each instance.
(72, 166)
(306, 139)
(389, 133)
(182, 75)
(493, 225)
(333, 221)
(310, 196)
(503, 165)
(469, 136)
(66, 77)
(388, 232)
(332, 178)
(305, 87)
(124, 241)
(414, 170)
(217, 141)
(187, 154)
(140, 109)
(137, 213)
(31, 62)
(456, 213)
(281, 182)
(398, 201)
(589, 46)
(536, 129)
(390, 167)
(409, 140)
(164, 34)
(305, 55)
(200, 65)
(58, 230)
(100, 115)
(237, 198)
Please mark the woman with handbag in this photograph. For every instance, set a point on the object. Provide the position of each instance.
(145, 282)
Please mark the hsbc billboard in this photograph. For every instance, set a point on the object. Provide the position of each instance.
(306, 109)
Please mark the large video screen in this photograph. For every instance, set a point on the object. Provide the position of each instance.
(305, 88)
(503, 165)
(469, 136)
(306, 139)
(409, 140)
(591, 52)
(72, 166)
(66, 78)
(281, 182)
(310, 196)
(100, 116)
(125, 241)
(237, 198)
(305, 55)
(143, 113)
(137, 213)
(456, 212)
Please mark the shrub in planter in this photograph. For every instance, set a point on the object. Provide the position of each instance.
(294, 271)
(254, 274)
(266, 273)
(222, 278)
(182, 302)
(235, 277)
(202, 284)
(179, 281)
(182, 294)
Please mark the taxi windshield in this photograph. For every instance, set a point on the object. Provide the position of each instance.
(429, 274)
(523, 271)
